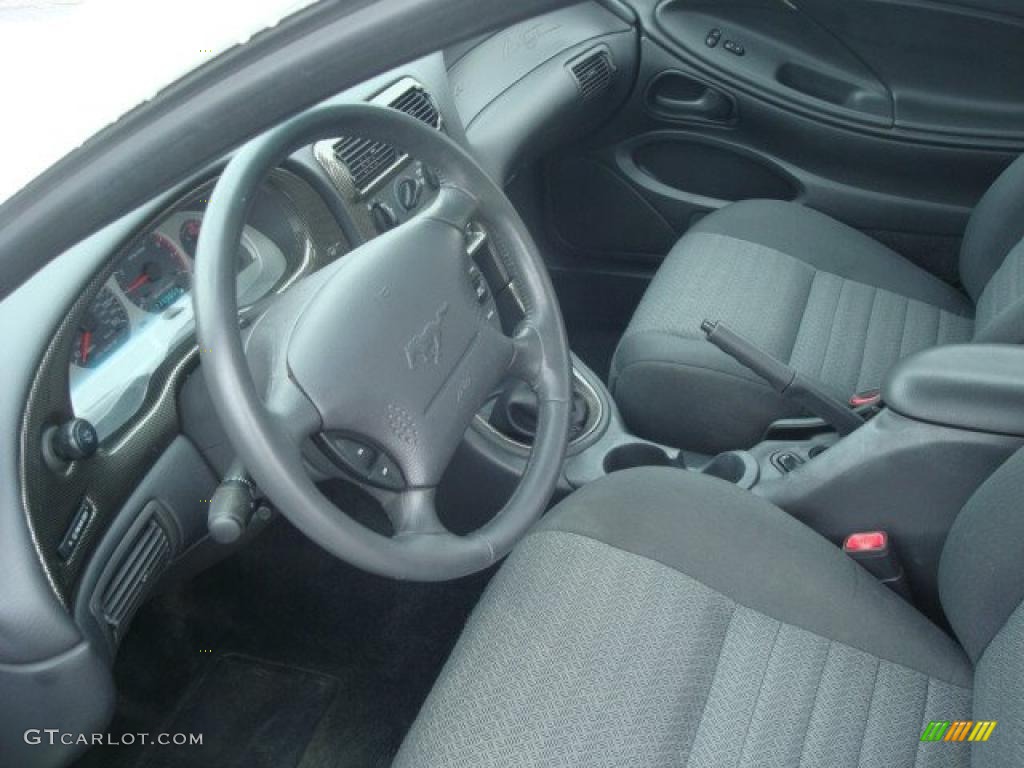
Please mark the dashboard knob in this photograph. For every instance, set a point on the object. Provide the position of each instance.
(75, 440)
(409, 193)
(383, 217)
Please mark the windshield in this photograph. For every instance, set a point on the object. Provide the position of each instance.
(71, 67)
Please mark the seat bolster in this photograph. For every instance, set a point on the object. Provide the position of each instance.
(757, 555)
(996, 225)
(684, 391)
(981, 582)
(831, 246)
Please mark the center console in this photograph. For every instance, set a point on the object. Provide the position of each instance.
(948, 418)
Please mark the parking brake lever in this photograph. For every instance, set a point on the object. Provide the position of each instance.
(783, 379)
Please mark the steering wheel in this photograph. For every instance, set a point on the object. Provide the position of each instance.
(389, 346)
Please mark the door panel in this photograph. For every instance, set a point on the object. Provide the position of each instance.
(951, 69)
(694, 137)
(779, 51)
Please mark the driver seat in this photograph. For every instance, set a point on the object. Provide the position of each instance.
(664, 618)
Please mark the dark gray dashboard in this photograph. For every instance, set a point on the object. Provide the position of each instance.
(542, 82)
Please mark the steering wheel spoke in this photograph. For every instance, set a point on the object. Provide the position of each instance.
(413, 512)
(455, 206)
(527, 354)
(295, 416)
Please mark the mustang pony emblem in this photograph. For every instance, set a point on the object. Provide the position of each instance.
(425, 346)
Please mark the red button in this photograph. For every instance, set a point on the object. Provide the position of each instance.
(871, 397)
(870, 541)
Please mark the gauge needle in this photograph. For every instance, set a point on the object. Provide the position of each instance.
(138, 282)
(84, 345)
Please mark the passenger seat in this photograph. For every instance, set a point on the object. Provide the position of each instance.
(832, 302)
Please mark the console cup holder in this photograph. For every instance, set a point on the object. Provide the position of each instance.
(635, 455)
(737, 467)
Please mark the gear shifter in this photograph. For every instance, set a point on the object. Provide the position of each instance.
(515, 412)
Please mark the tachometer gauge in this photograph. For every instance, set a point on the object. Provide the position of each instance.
(155, 274)
(104, 326)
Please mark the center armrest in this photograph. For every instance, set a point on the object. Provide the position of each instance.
(979, 387)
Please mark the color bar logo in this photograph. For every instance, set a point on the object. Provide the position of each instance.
(958, 730)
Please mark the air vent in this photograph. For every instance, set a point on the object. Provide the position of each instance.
(367, 160)
(141, 564)
(417, 102)
(593, 74)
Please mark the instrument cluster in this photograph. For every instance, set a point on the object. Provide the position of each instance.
(144, 311)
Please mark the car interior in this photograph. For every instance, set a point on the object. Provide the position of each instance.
(613, 383)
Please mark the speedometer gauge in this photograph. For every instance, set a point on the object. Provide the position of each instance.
(155, 274)
(104, 326)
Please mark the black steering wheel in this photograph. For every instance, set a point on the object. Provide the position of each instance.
(388, 346)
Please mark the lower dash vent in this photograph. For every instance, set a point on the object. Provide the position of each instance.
(139, 567)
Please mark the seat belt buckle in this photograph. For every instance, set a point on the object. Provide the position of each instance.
(867, 403)
(871, 550)
(869, 544)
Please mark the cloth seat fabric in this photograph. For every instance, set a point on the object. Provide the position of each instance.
(631, 630)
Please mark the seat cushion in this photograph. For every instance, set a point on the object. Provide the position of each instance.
(835, 304)
(662, 618)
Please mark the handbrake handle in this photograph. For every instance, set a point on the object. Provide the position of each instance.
(782, 378)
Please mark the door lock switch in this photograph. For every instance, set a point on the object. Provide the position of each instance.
(736, 49)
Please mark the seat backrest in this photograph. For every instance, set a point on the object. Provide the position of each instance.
(992, 259)
(981, 585)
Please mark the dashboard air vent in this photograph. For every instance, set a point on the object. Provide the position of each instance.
(593, 74)
(141, 564)
(366, 159)
(417, 102)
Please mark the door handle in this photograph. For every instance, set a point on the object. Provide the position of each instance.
(677, 96)
(710, 105)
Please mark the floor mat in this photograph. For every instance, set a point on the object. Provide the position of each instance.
(251, 714)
